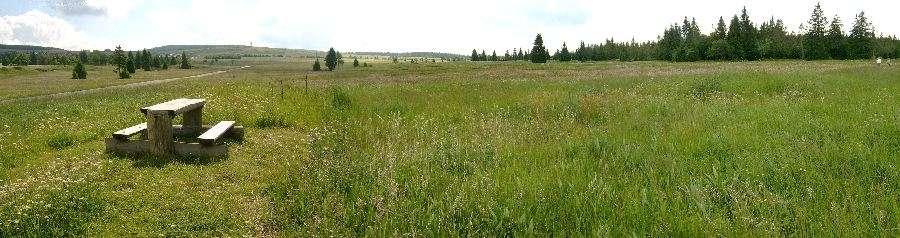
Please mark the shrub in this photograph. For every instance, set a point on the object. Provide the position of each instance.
(61, 141)
(339, 99)
(270, 121)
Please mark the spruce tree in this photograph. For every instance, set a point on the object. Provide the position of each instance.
(78, 72)
(475, 55)
(749, 45)
(837, 47)
(862, 38)
(317, 66)
(355, 62)
(718, 49)
(147, 63)
(815, 44)
(331, 59)
(129, 63)
(121, 61)
(564, 54)
(581, 52)
(185, 64)
(165, 62)
(539, 53)
(494, 56)
(734, 39)
(670, 44)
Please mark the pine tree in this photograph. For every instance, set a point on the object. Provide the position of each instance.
(862, 38)
(749, 45)
(185, 64)
(83, 56)
(670, 43)
(539, 53)
(718, 49)
(773, 40)
(78, 72)
(129, 63)
(690, 48)
(734, 39)
(33, 58)
(475, 55)
(837, 47)
(355, 62)
(317, 66)
(581, 52)
(814, 42)
(564, 54)
(147, 63)
(494, 56)
(506, 56)
(331, 59)
(121, 61)
(483, 56)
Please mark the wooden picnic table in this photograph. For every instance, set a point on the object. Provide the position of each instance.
(158, 133)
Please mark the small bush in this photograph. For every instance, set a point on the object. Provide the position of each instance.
(61, 141)
(270, 121)
(340, 100)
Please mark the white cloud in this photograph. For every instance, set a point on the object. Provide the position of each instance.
(111, 8)
(38, 28)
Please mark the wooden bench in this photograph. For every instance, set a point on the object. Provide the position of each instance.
(159, 133)
(124, 134)
(214, 134)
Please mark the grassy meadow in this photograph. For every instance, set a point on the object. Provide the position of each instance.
(781, 148)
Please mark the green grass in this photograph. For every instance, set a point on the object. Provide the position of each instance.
(781, 148)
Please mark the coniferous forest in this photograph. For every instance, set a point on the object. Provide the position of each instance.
(737, 38)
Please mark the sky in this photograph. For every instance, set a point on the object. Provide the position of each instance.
(454, 26)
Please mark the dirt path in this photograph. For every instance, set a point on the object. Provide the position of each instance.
(130, 85)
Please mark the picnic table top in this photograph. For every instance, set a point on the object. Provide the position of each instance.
(176, 106)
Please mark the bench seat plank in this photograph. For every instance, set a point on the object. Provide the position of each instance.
(215, 133)
(176, 106)
(123, 134)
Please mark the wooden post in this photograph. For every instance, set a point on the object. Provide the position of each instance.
(192, 121)
(159, 128)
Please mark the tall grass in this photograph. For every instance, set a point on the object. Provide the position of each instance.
(506, 149)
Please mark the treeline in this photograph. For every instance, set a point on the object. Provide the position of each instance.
(36, 58)
(143, 59)
(741, 39)
(129, 62)
(736, 40)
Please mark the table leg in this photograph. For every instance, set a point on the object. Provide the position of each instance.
(192, 121)
(161, 134)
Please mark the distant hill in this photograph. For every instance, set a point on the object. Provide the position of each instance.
(224, 50)
(412, 54)
(28, 48)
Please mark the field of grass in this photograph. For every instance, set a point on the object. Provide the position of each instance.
(18, 82)
(784, 148)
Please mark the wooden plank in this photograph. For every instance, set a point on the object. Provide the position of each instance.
(236, 132)
(123, 134)
(215, 133)
(183, 149)
(176, 106)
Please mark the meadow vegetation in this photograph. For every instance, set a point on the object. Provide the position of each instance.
(771, 148)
